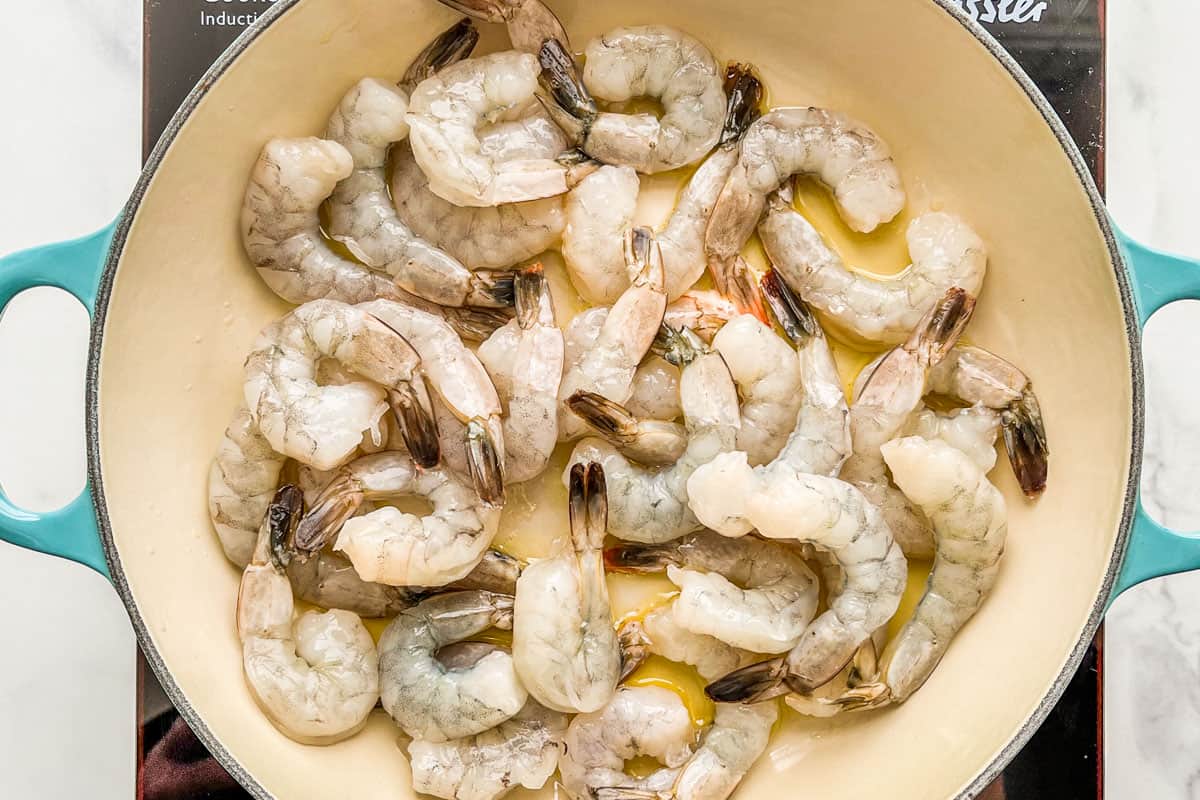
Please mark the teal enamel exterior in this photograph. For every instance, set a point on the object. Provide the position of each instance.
(75, 266)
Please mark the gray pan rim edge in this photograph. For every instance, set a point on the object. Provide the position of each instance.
(227, 59)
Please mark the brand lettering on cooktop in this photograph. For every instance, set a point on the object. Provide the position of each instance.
(1018, 11)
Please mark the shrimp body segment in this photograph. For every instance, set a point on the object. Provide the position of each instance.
(431, 701)
(753, 594)
(970, 521)
(945, 253)
(564, 642)
(369, 119)
(608, 363)
(651, 505)
(444, 115)
(323, 425)
(522, 751)
(530, 22)
(642, 61)
(241, 482)
(637, 721)
(317, 677)
(525, 360)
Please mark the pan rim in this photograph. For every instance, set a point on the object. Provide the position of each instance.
(230, 56)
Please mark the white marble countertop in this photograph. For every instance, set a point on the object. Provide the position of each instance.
(67, 682)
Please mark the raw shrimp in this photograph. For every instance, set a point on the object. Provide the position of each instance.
(323, 425)
(753, 594)
(973, 375)
(832, 515)
(660, 632)
(638, 721)
(530, 23)
(463, 385)
(241, 482)
(705, 312)
(598, 215)
(643, 61)
(316, 679)
(883, 407)
(370, 118)
(847, 156)
(655, 390)
(444, 115)
(491, 237)
(601, 209)
(651, 506)
(522, 751)
(606, 366)
(820, 441)
(945, 253)
(972, 431)
(651, 442)
(564, 642)
(526, 359)
(431, 702)
(767, 372)
(970, 520)
(389, 546)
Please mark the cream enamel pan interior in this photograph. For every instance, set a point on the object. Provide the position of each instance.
(185, 306)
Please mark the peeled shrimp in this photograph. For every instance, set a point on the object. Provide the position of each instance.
(525, 360)
(434, 703)
(323, 425)
(945, 253)
(601, 209)
(660, 632)
(887, 401)
(973, 375)
(643, 61)
(463, 385)
(530, 23)
(491, 237)
(970, 520)
(753, 594)
(521, 751)
(564, 642)
(316, 679)
(847, 156)
(392, 547)
(637, 721)
(444, 115)
(651, 506)
(608, 364)
(241, 482)
(972, 431)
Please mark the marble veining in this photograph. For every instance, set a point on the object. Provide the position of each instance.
(73, 71)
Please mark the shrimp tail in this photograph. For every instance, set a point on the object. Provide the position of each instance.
(485, 463)
(502, 606)
(643, 258)
(531, 292)
(337, 503)
(283, 517)
(625, 793)
(639, 558)
(611, 420)
(679, 347)
(497, 572)
(417, 424)
(1025, 441)
(578, 165)
(752, 684)
(494, 11)
(743, 290)
(939, 331)
(588, 505)
(569, 103)
(475, 324)
(635, 646)
(451, 46)
(794, 315)
(745, 93)
(865, 697)
(492, 288)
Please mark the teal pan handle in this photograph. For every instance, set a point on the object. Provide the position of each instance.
(75, 266)
(1154, 551)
